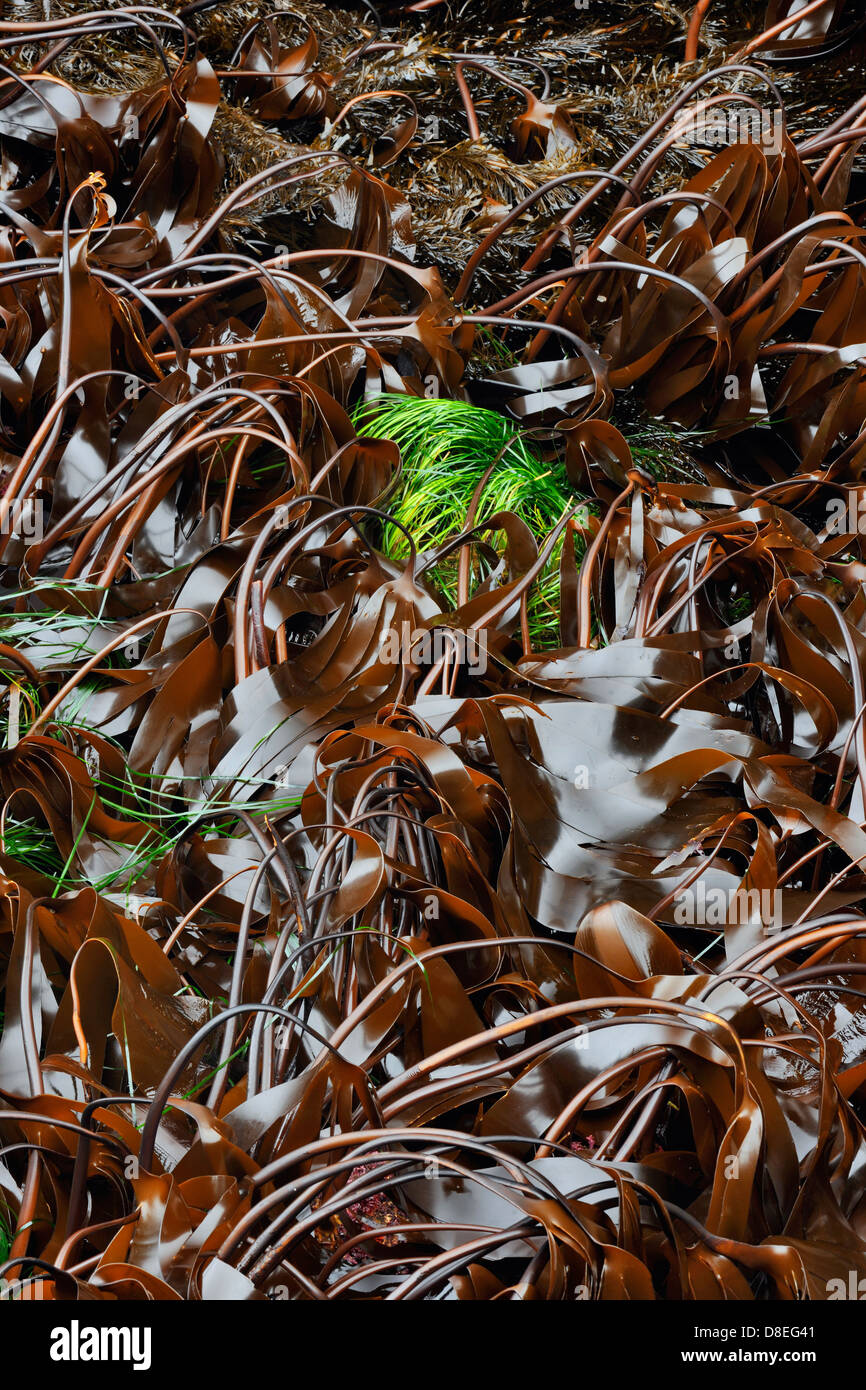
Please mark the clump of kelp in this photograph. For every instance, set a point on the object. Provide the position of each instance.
(527, 964)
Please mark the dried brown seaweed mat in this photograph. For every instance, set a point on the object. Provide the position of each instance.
(363, 936)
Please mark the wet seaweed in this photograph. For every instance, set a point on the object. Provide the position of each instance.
(432, 648)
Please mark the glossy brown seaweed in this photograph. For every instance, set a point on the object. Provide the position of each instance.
(505, 967)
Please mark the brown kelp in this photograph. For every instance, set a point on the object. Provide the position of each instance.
(362, 934)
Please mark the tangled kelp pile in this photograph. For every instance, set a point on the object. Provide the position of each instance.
(364, 935)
